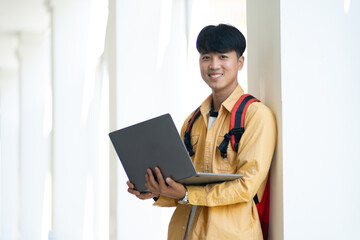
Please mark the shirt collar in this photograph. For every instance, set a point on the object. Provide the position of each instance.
(228, 104)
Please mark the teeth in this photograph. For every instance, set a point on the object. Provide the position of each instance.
(215, 75)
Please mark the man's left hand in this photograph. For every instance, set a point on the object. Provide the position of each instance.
(170, 188)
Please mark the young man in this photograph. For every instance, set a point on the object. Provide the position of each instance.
(224, 210)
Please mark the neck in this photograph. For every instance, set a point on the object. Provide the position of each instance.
(219, 97)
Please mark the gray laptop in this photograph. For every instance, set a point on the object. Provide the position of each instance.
(156, 142)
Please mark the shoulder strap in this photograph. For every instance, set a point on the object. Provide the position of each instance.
(237, 121)
(187, 137)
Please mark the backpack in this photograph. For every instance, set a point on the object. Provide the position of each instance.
(237, 120)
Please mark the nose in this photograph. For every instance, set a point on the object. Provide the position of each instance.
(214, 64)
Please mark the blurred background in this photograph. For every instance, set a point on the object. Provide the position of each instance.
(71, 71)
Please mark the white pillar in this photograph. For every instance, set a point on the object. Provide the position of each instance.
(78, 205)
(110, 58)
(9, 137)
(319, 113)
(264, 81)
(36, 126)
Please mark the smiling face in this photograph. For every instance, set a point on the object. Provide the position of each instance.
(219, 71)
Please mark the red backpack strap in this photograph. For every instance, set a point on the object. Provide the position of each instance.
(237, 121)
(263, 208)
(187, 136)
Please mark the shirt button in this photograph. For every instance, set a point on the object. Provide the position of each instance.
(183, 227)
(195, 201)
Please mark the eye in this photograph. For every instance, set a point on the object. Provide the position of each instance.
(223, 56)
(205, 57)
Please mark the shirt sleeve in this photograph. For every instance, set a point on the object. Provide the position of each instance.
(164, 201)
(254, 157)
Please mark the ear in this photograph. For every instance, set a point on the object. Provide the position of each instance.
(241, 62)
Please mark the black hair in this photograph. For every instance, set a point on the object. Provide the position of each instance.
(221, 38)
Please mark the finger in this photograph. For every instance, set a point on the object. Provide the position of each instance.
(151, 177)
(147, 183)
(134, 192)
(171, 182)
(174, 185)
(177, 188)
(151, 184)
(130, 185)
(160, 177)
(144, 196)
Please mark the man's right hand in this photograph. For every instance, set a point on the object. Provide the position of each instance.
(139, 195)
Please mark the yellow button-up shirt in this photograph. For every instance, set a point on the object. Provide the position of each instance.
(226, 210)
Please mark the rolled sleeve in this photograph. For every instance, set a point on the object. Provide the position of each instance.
(164, 201)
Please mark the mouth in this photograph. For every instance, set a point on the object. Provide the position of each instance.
(215, 75)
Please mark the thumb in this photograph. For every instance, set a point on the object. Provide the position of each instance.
(170, 182)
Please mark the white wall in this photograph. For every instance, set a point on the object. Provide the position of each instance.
(321, 115)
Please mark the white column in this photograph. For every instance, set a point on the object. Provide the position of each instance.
(320, 113)
(264, 81)
(9, 137)
(36, 126)
(110, 58)
(78, 185)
